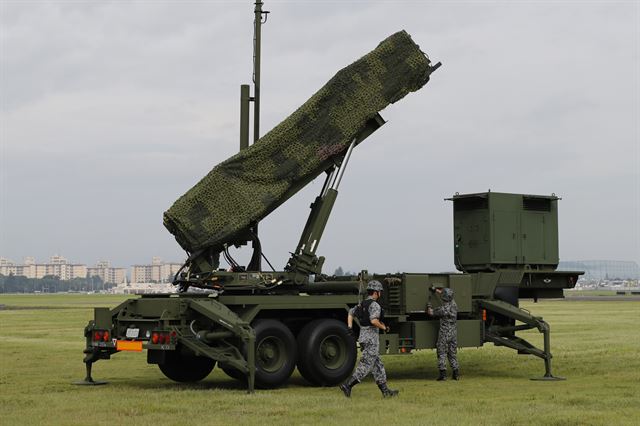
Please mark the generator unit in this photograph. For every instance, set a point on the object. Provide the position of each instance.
(494, 230)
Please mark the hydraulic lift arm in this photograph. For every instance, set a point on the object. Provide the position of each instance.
(303, 261)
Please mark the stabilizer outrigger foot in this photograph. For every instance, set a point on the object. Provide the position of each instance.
(88, 380)
(91, 382)
(548, 378)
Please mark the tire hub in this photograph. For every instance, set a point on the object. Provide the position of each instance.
(271, 354)
(332, 352)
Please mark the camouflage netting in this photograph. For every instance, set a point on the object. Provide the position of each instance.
(248, 186)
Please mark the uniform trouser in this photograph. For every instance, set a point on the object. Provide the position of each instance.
(370, 362)
(447, 348)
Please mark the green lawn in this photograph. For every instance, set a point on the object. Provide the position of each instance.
(596, 346)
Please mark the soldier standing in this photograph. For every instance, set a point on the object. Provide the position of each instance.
(447, 344)
(370, 315)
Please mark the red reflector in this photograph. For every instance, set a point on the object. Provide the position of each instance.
(484, 315)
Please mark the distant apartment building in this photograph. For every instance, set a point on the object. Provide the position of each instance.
(57, 266)
(60, 267)
(8, 267)
(107, 274)
(156, 272)
(64, 271)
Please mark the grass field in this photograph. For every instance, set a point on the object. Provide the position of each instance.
(596, 346)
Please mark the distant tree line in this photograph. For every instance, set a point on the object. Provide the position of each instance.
(50, 284)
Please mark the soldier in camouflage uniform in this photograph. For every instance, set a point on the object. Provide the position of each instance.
(447, 344)
(370, 361)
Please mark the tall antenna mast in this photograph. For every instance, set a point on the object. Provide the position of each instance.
(256, 259)
(245, 97)
(257, 28)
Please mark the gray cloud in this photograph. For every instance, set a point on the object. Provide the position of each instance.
(111, 110)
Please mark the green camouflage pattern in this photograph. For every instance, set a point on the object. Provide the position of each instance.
(248, 186)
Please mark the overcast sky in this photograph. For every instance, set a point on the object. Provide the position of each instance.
(110, 110)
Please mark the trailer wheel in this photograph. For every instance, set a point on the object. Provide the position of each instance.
(234, 373)
(276, 353)
(186, 368)
(327, 353)
(511, 296)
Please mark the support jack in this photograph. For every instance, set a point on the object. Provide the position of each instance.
(505, 335)
(88, 380)
(548, 379)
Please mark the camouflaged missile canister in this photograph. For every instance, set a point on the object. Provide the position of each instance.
(248, 186)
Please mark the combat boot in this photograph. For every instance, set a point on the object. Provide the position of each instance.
(348, 385)
(386, 392)
(442, 376)
(456, 374)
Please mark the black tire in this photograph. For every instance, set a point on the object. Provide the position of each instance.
(234, 373)
(326, 352)
(507, 294)
(272, 369)
(185, 368)
(276, 353)
(511, 296)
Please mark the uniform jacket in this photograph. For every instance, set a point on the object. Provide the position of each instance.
(369, 334)
(448, 313)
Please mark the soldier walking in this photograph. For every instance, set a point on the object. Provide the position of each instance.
(370, 315)
(447, 344)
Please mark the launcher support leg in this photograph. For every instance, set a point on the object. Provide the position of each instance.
(251, 362)
(232, 356)
(88, 378)
(88, 362)
(546, 332)
(505, 336)
(91, 355)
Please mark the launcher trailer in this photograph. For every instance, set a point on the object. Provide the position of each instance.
(258, 325)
